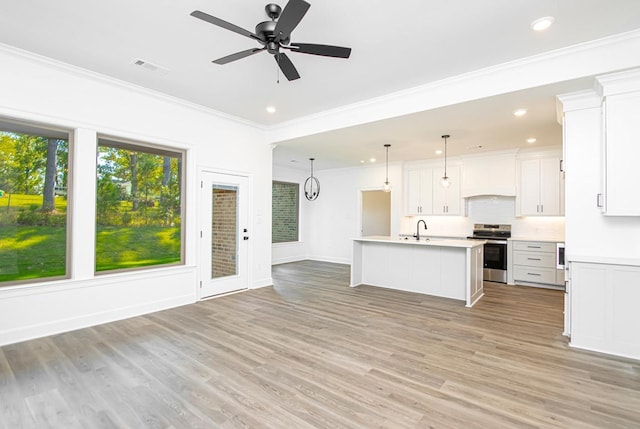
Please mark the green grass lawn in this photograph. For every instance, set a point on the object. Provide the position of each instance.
(21, 201)
(128, 247)
(30, 252)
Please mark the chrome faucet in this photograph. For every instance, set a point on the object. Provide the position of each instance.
(417, 236)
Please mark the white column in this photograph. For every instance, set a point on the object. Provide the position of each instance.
(82, 203)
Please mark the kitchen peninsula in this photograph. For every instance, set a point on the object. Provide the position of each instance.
(439, 267)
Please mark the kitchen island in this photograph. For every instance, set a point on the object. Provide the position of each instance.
(439, 267)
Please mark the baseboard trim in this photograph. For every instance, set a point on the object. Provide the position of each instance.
(65, 325)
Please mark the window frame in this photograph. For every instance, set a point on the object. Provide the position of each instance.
(154, 149)
(38, 129)
(297, 208)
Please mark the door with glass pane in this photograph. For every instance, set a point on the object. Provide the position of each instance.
(224, 233)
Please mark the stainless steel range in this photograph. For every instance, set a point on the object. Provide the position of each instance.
(495, 250)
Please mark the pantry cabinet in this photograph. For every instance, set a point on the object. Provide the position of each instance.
(540, 184)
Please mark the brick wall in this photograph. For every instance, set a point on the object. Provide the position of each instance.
(224, 233)
(284, 199)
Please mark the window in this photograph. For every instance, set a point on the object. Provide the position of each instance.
(284, 212)
(138, 206)
(33, 215)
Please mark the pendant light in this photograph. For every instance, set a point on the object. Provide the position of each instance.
(445, 181)
(312, 182)
(387, 185)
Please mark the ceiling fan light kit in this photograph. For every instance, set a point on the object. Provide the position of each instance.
(275, 35)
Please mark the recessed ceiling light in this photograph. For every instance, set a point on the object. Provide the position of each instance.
(520, 112)
(542, 24)
(372, 160)
(362, 161)
(532, 140)
(438, 152)
(271, 109)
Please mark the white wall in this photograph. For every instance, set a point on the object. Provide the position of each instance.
(299, 250)
(50, 93)
(335, 216)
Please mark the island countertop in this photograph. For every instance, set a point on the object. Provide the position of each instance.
(441, 242)
(447, 268)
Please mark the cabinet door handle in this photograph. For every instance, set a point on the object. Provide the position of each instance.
(598, 200)
(533, 259)
(533, 247)
(541, 208)
(533, 274)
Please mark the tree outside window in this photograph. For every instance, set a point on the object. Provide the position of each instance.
(138, 206)
(33, 204)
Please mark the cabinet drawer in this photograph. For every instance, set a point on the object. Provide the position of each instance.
(534, 274)
(535, 259)
(534, 246)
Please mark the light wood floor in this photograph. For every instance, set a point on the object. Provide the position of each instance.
(312, 352)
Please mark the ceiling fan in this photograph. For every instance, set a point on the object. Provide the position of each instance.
(275, 35)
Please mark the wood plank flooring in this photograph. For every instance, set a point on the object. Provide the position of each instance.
(310, 352)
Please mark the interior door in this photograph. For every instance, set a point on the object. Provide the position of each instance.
(224, 234)
(376, 213)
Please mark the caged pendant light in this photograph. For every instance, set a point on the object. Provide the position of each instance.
(311, 185)
(387, 185)
(445, 181)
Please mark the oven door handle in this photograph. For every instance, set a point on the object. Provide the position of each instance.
(496, 241)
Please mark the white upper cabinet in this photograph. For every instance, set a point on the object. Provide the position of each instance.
(426, 196)
(622, 153)
(419, 192)
(446, 201)
(539, 187)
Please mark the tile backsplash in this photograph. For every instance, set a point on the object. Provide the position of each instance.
(488, 209)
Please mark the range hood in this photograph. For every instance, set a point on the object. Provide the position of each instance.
(480, 191)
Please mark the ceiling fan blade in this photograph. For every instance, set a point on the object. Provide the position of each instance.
(224, 24)
(324, 50)
(237, 56)
(291, 16)
(287, 67)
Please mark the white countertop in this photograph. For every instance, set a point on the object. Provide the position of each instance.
(539, 239)
(607, 260)
(423, 242)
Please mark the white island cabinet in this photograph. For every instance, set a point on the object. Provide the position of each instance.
(444, 268)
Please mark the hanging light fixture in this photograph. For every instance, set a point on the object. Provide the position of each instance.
(445, 181)
(387, 185)
(311, 185)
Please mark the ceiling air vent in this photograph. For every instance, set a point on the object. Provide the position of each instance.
(150, 66)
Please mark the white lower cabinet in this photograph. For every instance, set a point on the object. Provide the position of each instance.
(603, 302)
(534, 263)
